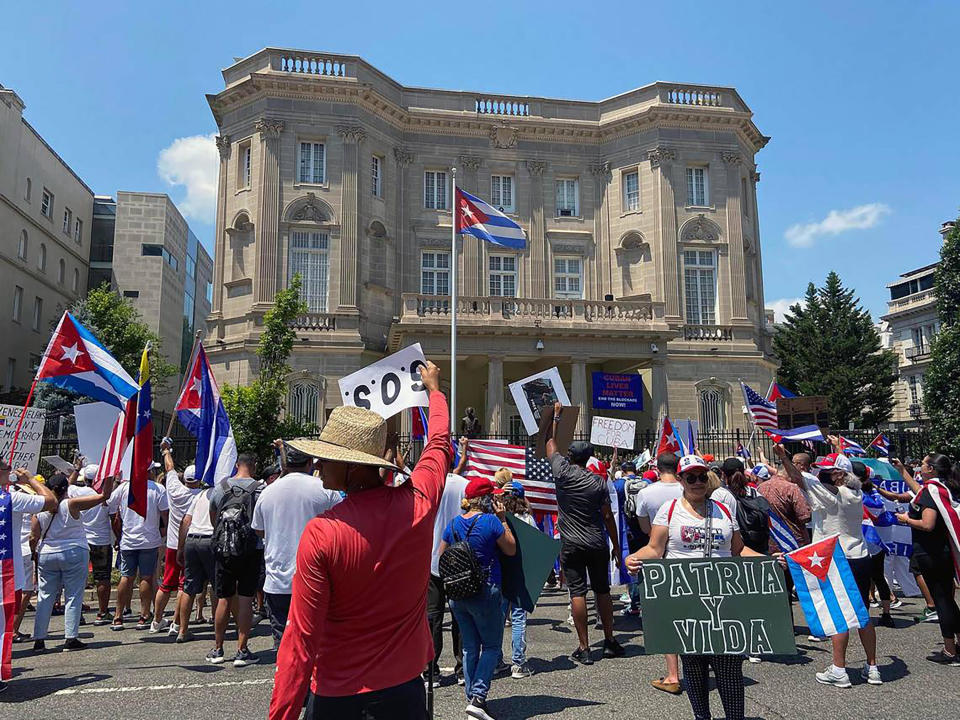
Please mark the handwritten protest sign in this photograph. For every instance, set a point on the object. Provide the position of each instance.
(613, 432)
(388, 386)
(31, 435)
(716, 606)
(532, 393)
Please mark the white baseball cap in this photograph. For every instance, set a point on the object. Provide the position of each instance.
(190, 473)
(761, 471)
(89, 472)
(835, 461)
(689, 462)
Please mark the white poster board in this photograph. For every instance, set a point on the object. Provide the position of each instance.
(31, 435)
(613, 432)
(535, 391)
(95, 422)
(388, 386)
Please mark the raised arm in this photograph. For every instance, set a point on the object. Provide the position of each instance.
(430, 474)
(166, 449)
(78, 504)
(461, 466)
(49, 499)
(908, 478)
(551, 447)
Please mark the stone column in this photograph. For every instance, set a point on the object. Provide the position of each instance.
(662, 159)
(539, 271)
(658, 390)
(268, 218)
(578, 389)
(472, 273)
(220, 251)
(603, 264)
(349, 241)
(403, 158)
(736, 283)
(494, 395)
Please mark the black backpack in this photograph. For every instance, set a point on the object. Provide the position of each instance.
(460, 570)
(753, 513)
(233, 537)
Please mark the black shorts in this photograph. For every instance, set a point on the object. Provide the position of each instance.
(578, 563)
(238, 577)
(101, 559)
(199, 564)
(862, 569)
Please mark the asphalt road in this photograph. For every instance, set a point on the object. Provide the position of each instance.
(137, 675)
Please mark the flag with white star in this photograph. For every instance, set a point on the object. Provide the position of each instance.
(7, 593)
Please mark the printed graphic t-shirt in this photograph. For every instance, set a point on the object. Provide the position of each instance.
(686, 532)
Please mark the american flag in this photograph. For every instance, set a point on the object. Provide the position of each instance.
(7, 593)
(115, 448)
(763, 412)
(485, 457)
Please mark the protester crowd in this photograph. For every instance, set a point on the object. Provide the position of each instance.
(314, 542)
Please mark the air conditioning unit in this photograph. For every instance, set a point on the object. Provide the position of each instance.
(566, 212)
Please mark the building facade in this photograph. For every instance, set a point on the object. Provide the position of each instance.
(911, 323)
(643, 250)
(144, 249)
(45, 218)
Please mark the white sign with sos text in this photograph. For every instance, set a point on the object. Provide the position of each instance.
(388, 386)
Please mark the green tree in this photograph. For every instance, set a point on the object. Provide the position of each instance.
(941, 383)
(256, 410)
(828, 345)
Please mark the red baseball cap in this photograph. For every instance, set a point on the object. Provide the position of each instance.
(650, 475)
(478, 487)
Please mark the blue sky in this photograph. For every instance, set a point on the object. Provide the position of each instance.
(861, 99)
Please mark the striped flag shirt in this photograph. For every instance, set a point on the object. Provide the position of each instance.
(485, 457)
(762, 412)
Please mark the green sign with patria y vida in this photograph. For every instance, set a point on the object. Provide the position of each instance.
(723, 606)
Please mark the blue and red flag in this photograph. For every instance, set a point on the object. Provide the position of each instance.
(142, 457)
(849, 447)
(669, 442)
(881, 443)
(201, 411)
(475, 217)
(8, 595)
(778, 391)
(742, 451)
(806, 433)
(780, 533)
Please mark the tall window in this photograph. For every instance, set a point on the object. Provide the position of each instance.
(914, 382)
(17, 302)
(568, 197)
(918, 339)
(312, 163)
(22, 247)
(305, 402)
(631, 191)
(435, 190)
(503, 275)
(46, 204)
(309, 258)
(28, 191)
(713, 415)
(567, 277)
(42, 258)
(243, 181)
(67, 221)
(700, 286)
(11, 372)
(376, 176)
(435, 276)
(37, 313)
(78, 231)
(61, 271)
(501, 192)
(697, 186)
(76, 280)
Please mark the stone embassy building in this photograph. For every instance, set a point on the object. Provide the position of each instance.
(640, 210)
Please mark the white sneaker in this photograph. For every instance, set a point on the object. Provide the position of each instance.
(174, 630)
(159, 627)
(830, 676)
(871, 673)
(897, 602)
(754, 659)
(814, 638)
(519, 672)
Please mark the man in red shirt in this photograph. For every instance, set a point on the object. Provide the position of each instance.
(358, 615)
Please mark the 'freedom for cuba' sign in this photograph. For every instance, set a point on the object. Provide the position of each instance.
(617, 392)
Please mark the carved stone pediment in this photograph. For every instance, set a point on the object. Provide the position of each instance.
(503, 136)
(536, 167)
(309, 209)
(700, 229)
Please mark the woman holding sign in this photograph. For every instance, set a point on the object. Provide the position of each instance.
(681, 530)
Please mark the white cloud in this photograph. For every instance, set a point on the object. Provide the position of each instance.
(781, 307)
(861, 217)
(193, 162)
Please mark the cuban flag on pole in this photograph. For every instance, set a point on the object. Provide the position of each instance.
(477, 218)
(827, 590)
(76, 361)
(201, 411)
(881, 443)
(804, 433)
(778, 391)
(849, 447)
(780, 532)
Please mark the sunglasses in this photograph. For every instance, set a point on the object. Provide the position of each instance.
(695, 478)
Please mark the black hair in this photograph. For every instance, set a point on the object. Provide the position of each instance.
(248, 459)
(947, 472)
(668, 462)
(58, 485)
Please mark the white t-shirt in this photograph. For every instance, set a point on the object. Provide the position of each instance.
(723, 495)
(839, 513)
(23, 505)
(180, 497)
(25, 529)
(96, 520)
(447, 510)
(139, 533)
(199, 513)
(685, 537)
(61, 530)
(282, 512)
(652, 497)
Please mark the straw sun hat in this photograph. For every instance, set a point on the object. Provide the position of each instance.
(351, 435)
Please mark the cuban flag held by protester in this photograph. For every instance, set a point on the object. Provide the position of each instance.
(75, 360)
(200, 409)
(780, 533)
(850, 448)
(804, 433)
(778, 391)
(742, 451)
(827, 590)
(8, 605)
(881, 443)
(877, 521)
(950, 514)
(477, 218)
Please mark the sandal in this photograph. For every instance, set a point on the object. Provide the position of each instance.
(20, 637)
(668, 687)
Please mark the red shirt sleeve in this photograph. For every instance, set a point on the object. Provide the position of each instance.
(430, 473)
(303, 635)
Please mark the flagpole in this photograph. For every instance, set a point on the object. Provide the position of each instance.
(193, 357)
(453, 304)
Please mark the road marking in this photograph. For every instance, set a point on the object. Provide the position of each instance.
(174, 686)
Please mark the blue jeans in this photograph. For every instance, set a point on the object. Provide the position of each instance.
(61, 569)
(481, 630)
(518, 624)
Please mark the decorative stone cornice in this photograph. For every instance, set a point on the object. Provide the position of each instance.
(503, 136)
(700, 229)
(351, 133)
(402, 156)
(536, 167)
(268, 127)
(731, 158)
(661, 156)
(601, 169)
(755, 176)
(470, 162)
(223, 145)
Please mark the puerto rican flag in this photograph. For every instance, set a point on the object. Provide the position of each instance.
(201, 411)
(75, 360)
(827, 590)
(477, 218)
(8, 605)
(881, 443)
